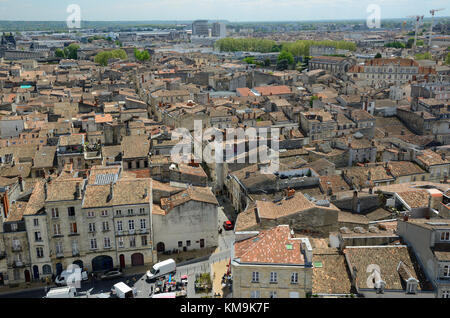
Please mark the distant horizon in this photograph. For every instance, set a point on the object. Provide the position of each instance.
(168, 21)
(235, 11)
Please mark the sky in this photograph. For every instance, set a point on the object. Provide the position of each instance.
(231, 10)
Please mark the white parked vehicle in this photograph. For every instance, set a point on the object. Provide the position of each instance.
(62, 292)
(122, 290)
(61, 279)
(161, 269)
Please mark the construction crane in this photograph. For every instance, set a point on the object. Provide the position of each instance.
(418, 18)
(432, 23)
(403, 27)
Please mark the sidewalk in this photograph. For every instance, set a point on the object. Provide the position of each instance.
(24, 287)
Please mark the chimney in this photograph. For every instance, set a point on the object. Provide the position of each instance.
(21, 184)
(45, 191)
(443, 156)
(77, 194)
(110, 195)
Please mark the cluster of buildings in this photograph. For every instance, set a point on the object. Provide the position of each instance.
(358, 207)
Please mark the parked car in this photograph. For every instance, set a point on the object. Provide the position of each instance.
(115, 273)
(228, 225)
(161, 269)
(61, 279)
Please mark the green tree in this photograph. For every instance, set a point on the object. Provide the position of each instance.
(447, 59)
(141, 55)
(424, 56)
(71, 52)
(249, 60)
(285, 55)
(60, 53)
(378, 56)
(103, 57)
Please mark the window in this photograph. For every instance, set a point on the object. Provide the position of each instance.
(120, 241)
(132, 241)
(254, 294)
(273, 277)
(255, 277)
(141, 210)
(143, 224)
(446, 271)
(59, 248)
(47, 270)
(144, 240)
(188, 243)
(75, 248)
(131, 225)
(273, 294)
(39, 252)
(119, 226)
(37, 236)
(130, 212)
(56, 229)
(93, 244)
(36, 222)
(105, 213)
(91, 227)
(294, 278)
(107, 242)
(118, 212)
(91, 214)
(73, 228)
(180, 244)
(446, 294)
(71, 211)
(445, 236)
(14, 227)
(55, 213)
(105, 226)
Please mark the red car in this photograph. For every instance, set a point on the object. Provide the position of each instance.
(228, 225)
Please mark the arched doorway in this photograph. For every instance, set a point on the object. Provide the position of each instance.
(122, 261)
(160, 247)
(102, 263)
(137, 259)
(27, 276)
(59, 269)
(35, 272)
(79, 263)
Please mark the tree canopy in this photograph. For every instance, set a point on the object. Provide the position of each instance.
(285, 55)
(297, 48)
(103, 57)
(141, 55)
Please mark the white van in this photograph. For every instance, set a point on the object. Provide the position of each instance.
(122, 290)
(61, 279)
(161, 269)
(62, 292)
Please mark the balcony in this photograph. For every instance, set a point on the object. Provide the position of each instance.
(75, 253)
(59, 254)
(143, 231)
(17, 248)
(18, 264)
(132, 232)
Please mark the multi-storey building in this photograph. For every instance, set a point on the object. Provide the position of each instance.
(271, 264)
(430, 240)
(395, 71)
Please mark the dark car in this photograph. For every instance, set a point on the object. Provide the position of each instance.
(228, 225)
(111, 274)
